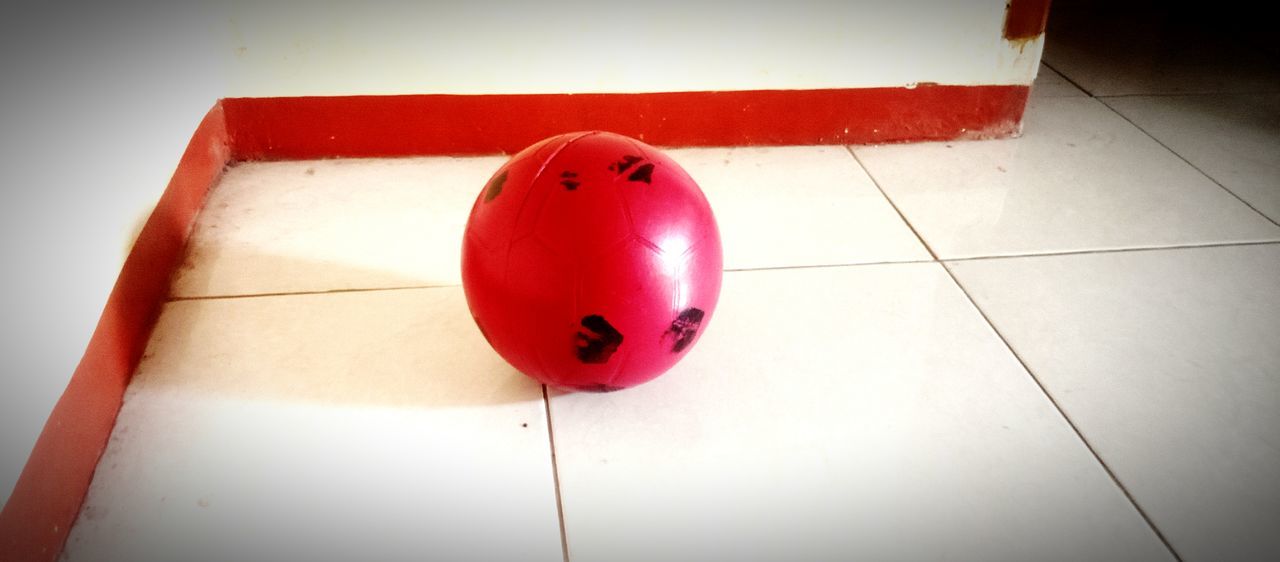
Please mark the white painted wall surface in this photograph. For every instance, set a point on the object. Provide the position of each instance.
(611, 46)
(98, 101)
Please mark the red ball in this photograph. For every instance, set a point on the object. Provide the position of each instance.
(591, 261)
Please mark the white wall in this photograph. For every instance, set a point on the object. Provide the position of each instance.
(97, 103)
(96, 107)
(611, 46)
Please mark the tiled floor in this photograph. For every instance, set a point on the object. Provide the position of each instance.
(1118, 47)
(1050, 84)
(1061, 346)
(1081, 178)
(309, 427)
(320, 217)
(1168, 361)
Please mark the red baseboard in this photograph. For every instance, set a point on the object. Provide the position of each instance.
(46, 500)
(322, 127)
(36, 520)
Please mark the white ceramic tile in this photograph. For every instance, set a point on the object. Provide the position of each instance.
(797, 205)
(1167, 361)
(1050, 84)
(341, 224)
(1112, 48)
(1235, 139)
(277, 227)
(1080, 178)
(356, 426)
(838, 413)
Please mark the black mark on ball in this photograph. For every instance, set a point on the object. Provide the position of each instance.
(495, 186)
(626, 162)
(598, 340)
(684, 328)
(643, 173)
(568, 180)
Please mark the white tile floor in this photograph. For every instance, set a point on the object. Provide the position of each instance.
(1081, 178)
(1113, 48)
(878, 417)
(1230, 137)
(1050, 84)
(308, 427)
(285, 227)
(1168, 361)
(1089, 370)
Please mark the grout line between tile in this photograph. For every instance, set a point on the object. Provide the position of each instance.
(1186, 94)
(933, 259)
(1067, 78)
(1114, 250)
(876, 182)
(1193, 166)
(555, 474)
(316, 292)
(1070, 423)
(824, 265)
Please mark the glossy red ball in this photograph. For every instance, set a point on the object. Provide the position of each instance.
(591, 261)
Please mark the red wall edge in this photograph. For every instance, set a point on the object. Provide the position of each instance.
(363, 126)
(46, 500)
(1025, 19)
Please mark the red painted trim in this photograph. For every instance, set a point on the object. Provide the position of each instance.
(321, 127)
(47, 498)
(1025, 19)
